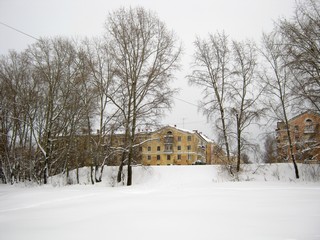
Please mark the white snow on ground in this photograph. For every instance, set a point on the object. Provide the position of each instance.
(167, 202)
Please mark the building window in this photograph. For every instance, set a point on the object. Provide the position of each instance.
(158, 148)
(309, 127)
(149, 149)
(149, 157)
(179, 156)
(189, 147)
(168, 148)
(179, 138)
(168, 138)
(179, 148)
(308, 121)
(158, 157)
(189, 138)
(189, 156)
(168, 157)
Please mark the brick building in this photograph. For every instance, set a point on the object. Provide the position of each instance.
(305, 136)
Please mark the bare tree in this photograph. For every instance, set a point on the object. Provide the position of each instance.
(16, 94)
(277, 79)
(145, 55)
(54, 67)
(243, 91)
(302, 48)
(211, 72)
(102, 72)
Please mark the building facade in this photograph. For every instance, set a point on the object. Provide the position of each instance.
(168, 145)
(174, 146)
(305, 137)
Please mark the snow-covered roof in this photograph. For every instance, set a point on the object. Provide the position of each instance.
(203, 136)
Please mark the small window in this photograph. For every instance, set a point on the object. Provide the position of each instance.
(189, 138)
(149, 157)
(158, 157)
(149, 149)
(308, 121)
(179, 156)
(189, 156)
(189, 147)
(179, 138)
(158, 148)
(168, 157)
(179, 148)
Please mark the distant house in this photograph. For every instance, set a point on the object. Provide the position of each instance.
(305, 136)
(168, 145)
(174, 146)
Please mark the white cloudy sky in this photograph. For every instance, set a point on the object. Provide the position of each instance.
(240, 19)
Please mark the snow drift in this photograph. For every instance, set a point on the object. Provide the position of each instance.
(196, 174)
(167, 202)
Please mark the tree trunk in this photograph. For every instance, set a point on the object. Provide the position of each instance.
(225, 135)
(91, 174)
(238, 143)
(77, 172)
(289, 137)
(129, 179)
(119, 177)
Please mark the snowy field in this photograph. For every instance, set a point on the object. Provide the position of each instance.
(165, 203)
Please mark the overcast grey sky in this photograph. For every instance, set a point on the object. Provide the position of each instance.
(240, 19)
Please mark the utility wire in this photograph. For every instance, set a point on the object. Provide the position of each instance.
(19, 31)
(28, 35)
(186, 102)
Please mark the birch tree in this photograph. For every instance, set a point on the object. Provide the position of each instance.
(277, 77)
(17, 91)
(243, 92)
(54, 67)
(102, 71)
(301, 43)
(146, 54)
(211, 70)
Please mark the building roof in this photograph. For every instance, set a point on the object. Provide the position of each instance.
(303, 113)
(200, 134)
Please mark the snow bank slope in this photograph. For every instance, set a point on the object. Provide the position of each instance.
(198, 175)
(169, 202)
(195, 175)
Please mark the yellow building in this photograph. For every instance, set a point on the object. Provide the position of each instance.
(174, 146)
(168, 145)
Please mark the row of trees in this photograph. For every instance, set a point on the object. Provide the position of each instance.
(59, 87)
(243, 82)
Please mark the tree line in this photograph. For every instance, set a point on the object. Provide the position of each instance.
(243, 82)
(60, 87)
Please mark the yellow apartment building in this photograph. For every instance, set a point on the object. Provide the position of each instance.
(170, 145)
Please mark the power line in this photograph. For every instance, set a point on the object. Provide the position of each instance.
(28, 35)
(19, 31)
(186, 102)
